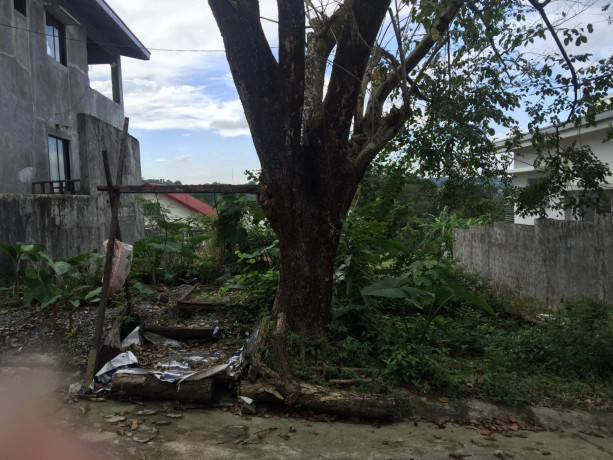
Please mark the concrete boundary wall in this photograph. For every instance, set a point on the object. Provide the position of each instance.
(551, 261)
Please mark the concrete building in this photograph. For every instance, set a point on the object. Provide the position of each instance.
(524, 172)
(53, 125)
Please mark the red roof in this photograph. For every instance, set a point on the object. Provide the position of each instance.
(191, 203)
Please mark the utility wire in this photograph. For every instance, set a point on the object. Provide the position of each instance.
(172, 50)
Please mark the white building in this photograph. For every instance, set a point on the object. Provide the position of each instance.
(524, 173)
(179, 206)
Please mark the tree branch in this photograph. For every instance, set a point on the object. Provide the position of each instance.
(291, 69)
(320, 44)
(374, 110)
(540, 7)
(247, 49)
(366, 148)
(489, 29)
(353, 52)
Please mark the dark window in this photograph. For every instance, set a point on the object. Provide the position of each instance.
(56, 39)
(20, 5)
(59, 161)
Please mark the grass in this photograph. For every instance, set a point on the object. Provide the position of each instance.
(468, 353)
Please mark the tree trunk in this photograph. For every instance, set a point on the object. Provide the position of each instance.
(306, 215)
(305, 282)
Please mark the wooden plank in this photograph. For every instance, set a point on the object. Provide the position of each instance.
(182, 333)
(181, 188)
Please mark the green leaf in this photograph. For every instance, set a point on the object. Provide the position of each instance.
(93, 293)
(389, 292)
(9, 249)
(32, 249)
(60, 267)
(462, 293)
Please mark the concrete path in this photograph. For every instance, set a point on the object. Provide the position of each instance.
(35, 422)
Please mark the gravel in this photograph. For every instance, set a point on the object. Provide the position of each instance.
(71, 332)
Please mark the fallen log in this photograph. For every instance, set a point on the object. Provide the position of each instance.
(329, 400)
(147, 386)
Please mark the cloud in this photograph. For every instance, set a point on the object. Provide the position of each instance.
(155, 105)
(179, 89)
(182, 159)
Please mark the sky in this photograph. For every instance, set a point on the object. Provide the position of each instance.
(183, 106)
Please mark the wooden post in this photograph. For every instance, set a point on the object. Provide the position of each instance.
(92, 365)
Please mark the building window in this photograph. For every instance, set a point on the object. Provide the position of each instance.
(20, 5)
(56, 39)
(59, 162)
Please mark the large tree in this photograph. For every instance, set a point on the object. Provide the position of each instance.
(349, 75)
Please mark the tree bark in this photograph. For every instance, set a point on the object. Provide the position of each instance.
(147, 386)
(307, 222)
(330, 400)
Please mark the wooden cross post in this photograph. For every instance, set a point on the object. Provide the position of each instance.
(93, 365)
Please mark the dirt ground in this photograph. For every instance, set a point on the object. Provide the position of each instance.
(38, 420)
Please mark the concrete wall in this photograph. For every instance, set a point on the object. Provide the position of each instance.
(551, 260)
(41, 97)
(69, 225)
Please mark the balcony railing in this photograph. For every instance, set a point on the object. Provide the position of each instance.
(62, 187)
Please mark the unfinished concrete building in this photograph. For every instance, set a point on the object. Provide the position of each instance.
(53, 125)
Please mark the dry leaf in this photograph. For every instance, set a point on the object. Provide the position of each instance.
(220, 442)
(436, 436)
(509, 454)
(484, 432)
(284, 436)
(443, 400)
(305, 423)
(238, 441)
(312, 431)
(292, 429)
(135, 424)
(83, 410)
(262, 435)
(97, 399)
(513, 419)
(514, 427)
(120, 432)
